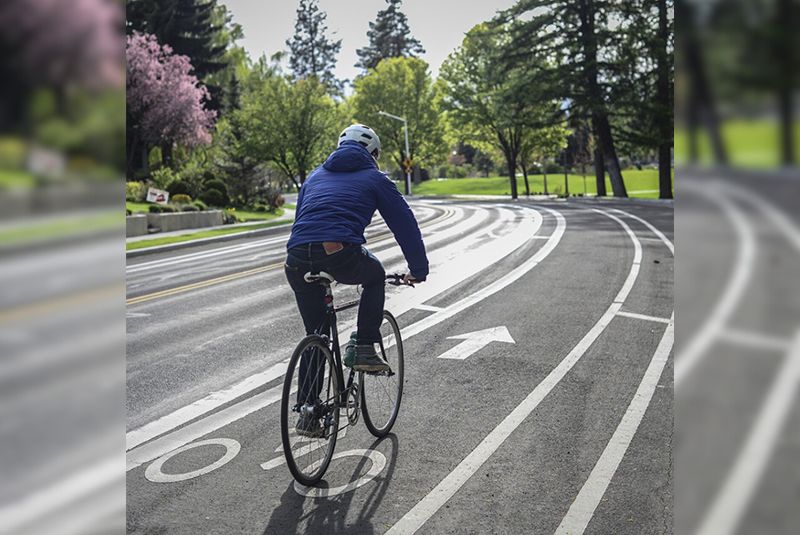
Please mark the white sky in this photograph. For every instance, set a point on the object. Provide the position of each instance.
(439, 25)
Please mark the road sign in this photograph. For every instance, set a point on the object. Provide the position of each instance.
(408, 164)
(157, 196)
(475, 341)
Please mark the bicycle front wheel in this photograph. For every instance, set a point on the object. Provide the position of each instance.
(310, 410)
(381, 393)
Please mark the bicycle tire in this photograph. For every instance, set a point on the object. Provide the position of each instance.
(312, 474)
(378, 424)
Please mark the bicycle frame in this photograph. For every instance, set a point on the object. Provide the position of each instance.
(329, 325)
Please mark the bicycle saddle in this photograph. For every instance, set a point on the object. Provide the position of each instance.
(318, 277)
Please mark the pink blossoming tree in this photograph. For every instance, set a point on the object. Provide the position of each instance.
(166, 103)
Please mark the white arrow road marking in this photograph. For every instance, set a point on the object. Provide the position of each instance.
(475, 341)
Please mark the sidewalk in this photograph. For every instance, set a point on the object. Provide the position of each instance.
(288, 215)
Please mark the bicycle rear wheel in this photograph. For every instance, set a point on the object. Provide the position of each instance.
(310, 389)
(381, 393)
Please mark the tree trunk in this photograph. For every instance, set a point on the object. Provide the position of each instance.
(610, 159)
(600, 123)
(600, 172)
(665, 109)
(166, 154)
(525, 176)
(785, 53)
(512, 174)
(566, 181)
(701, 101)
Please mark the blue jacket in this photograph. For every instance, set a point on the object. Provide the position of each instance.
(339, 198)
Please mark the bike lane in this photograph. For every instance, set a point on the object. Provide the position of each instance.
(449, 406)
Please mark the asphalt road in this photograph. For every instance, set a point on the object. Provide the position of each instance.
(568, 429)
(737, 364)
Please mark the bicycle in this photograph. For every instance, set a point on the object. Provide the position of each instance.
(317, 360)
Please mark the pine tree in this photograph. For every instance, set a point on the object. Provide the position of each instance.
(575, 34)
(389, 37)
(312, 52)
(190, 27)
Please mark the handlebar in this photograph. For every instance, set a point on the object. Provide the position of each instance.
(397, 279)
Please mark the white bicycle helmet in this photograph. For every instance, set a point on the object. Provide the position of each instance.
(364, 135)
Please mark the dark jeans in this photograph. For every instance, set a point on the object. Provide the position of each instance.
(352, 265)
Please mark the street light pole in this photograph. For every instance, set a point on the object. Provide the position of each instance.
(408, 153)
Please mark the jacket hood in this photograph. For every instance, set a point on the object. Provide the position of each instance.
(350, 156)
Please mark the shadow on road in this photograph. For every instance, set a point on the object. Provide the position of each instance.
(330, 515)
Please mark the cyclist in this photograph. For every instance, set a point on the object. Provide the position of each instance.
(335, 204)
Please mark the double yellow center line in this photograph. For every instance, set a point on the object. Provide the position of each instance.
(241, 274)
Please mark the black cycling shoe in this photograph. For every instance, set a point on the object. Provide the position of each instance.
(367, 360)
(308, 426)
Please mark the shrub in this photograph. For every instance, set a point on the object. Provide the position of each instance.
(135, 191)
(442, 171)
(178, 187)
(188, 208)
(457, 171)
(260, 208)
(162, 177)
(200, 205)
(12, 153)
(162, 209)
(216, 184)
(180, 198)
(128, 212)
(214, 197)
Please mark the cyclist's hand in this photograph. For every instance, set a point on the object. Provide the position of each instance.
(410, 280)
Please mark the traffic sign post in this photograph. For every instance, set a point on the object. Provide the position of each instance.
(406, 168)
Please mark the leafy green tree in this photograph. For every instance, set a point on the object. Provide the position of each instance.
(486, 102)
(292, 124)
(404, 87)
(575, 35)
(642, 93)
(312, 53)
(537, 145)
(389, 37)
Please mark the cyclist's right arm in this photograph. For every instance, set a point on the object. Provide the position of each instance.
(401, 221)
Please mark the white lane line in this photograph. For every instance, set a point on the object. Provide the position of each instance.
(435, 499)
(744, 264)
(583, 507)
(733, 499)
(227, 250)
(16, 515)
(184, 435)
(753, 340)
(166, 443)
(644, 317)
(429, 308)
(652, 228)
(202, 406)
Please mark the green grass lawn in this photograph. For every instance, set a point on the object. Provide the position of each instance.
(15, 179)
(197, 235)
(244, 215)
(61, 227)
(750, 143)
(639, 183)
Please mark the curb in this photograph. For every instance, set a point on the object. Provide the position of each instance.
(201, 241)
